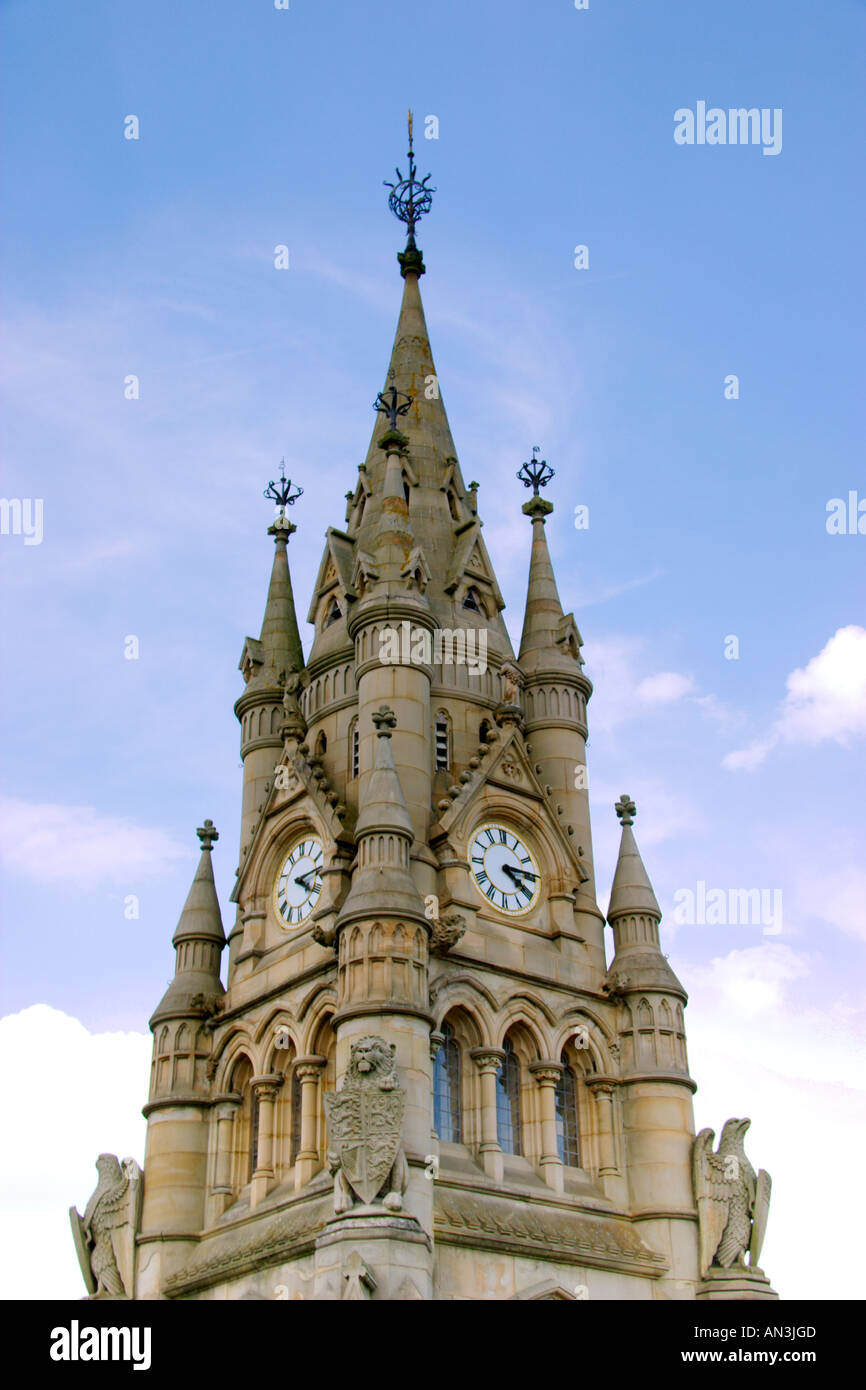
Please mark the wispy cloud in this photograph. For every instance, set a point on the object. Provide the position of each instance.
(825, 700)
(79, 845)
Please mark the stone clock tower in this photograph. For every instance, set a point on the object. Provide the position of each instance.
(428, 1074)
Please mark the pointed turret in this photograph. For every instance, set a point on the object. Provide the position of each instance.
(198, 940)
(382, 883)
(554, 697)
(266, 661)
(634, 915)
(550, 640)
(272, 665)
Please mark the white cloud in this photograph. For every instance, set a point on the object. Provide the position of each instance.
(73, 1095)
(664, 688)
(78, 845)
(622, 692)
(838, 897)
(826, 699)
(797, 1072)
(751, 981)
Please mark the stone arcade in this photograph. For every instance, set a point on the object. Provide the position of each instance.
(424, 1077)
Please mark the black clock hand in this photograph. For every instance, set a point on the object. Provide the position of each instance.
(512, 873)
(302, 881)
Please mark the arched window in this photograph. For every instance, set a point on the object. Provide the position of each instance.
(443, 741)
(354, 749)
(508, 1102)
(566, 1116)
(484, 729)
(333, 614)
(447, 1110)
(321, 747)
(472, 601)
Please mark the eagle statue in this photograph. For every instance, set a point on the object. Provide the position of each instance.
(732, 1200)
(104, 1236)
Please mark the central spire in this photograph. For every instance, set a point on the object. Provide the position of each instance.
(411, 524)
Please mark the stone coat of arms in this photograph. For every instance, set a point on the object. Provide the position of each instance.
(365, 1120)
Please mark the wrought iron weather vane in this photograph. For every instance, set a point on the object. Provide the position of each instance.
(409, 200)
(537, 473)
(282, 495)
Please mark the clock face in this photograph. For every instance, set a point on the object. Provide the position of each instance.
(299, 882)
(504, 869)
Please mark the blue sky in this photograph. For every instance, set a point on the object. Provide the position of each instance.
(155, 257)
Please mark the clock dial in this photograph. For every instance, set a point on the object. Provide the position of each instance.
(299, 882)
(504, 870)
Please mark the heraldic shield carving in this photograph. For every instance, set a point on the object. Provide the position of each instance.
(365, 1120)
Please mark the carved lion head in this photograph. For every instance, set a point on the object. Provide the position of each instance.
(372, 1059)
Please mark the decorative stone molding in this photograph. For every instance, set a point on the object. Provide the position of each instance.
(550, 1232)
(546, 1073)
(487, 1059)
(447, 931)
(359, 1277)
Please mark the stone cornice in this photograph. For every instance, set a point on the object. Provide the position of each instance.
(667, 1078)
(177, 1102)
(553, 1232)
(390, 609)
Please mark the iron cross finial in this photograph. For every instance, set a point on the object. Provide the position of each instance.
(283, 495)
(537, 473)
(626, 809)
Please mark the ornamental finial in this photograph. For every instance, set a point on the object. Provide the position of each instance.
(409, 200)
(208, 835)
(626, 809)
(392, 403)
(385, 720)
(537, 473)
(282, 495)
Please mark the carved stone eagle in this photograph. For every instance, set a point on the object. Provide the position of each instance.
(104, 1236)
(732, 1201)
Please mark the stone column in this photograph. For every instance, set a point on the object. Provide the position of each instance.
(547, 1075)
(266, 1089)
(226, 1105)
(488, 1060)
(603, 1093)
(308, 1071)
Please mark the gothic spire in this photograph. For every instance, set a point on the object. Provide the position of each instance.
(550, 638)
(198, 940)
(634, 914)
(278, 651)
(412, 527)
(382, 882)
(632, 890)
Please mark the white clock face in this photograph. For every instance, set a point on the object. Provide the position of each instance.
(299, 882)
(504, 869)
